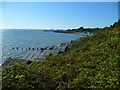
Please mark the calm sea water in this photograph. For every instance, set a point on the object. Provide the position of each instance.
(31, 38)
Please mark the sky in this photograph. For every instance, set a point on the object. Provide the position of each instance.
(60, 0)
(58, 15)
(119, 10)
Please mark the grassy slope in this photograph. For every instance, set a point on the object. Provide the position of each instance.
(92, 63)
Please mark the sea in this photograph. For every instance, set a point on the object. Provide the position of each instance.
(25, 38)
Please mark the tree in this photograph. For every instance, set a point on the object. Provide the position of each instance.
(81, 28)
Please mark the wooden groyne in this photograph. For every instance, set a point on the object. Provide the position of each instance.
(28, 48)
(34, 55)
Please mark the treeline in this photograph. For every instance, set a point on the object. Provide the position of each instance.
(84, 30)
(90, 30)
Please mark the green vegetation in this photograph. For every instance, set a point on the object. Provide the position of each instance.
(0, 77)
(85, 30)
(91, 63)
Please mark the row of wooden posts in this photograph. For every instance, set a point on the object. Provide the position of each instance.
(17, 48)
(29, 48)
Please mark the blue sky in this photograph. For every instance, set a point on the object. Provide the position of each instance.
(60, 0)
(58, 15)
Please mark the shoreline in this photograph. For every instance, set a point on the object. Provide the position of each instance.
(86, 34)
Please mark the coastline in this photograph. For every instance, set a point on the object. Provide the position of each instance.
(86, 34)
(83, 34)
(80, 66)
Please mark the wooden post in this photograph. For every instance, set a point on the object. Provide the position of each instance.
(17, 48)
